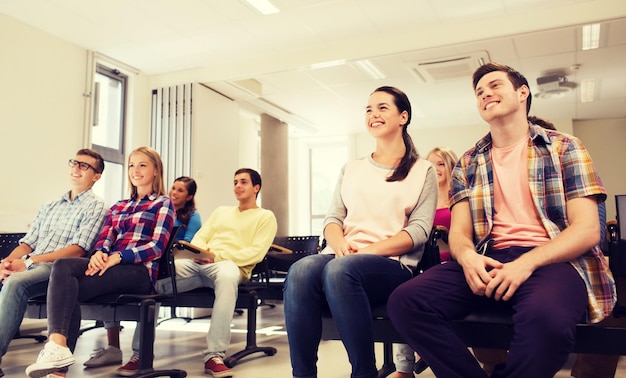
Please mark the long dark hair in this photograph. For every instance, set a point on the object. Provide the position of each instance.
(401, 100)
(184, 213)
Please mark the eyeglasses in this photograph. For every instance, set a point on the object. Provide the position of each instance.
(81, 165)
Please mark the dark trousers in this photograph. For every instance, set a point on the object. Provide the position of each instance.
(69, 286)
(599, 365)
(546, 309)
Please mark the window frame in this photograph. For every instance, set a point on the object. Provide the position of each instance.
(112, 154)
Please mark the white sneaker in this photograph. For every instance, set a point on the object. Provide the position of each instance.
(104, 357)
(52, 357)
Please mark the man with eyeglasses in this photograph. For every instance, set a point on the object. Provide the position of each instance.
(66, 227)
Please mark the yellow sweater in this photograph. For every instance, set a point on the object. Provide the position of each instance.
(241, 237)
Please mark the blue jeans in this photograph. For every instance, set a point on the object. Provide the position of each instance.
(348, 286)
(14, 294)
(224, 278)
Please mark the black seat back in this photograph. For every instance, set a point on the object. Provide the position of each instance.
(300, 247)
(8, 242)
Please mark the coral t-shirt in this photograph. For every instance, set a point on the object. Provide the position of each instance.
(516, 221)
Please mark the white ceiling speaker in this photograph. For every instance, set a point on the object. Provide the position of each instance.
(554, 86)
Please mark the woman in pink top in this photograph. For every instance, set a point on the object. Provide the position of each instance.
(444, 160)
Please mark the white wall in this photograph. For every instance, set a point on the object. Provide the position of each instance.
(215, 156)
(42, 113)
(605, 140)
(249, 141)
(41, 116)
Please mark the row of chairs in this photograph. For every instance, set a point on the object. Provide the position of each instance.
(493, 327)
(142, 308)
(8, 242)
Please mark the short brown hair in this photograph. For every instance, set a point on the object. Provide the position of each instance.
(99, 160)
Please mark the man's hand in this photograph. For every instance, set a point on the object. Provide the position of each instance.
(10, 266)
(475, 270)
(203, 261)
(5, 269)
(507, 279)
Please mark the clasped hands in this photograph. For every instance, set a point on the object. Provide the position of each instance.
(100, 262)
(10, 266)
(348, 248)
(500, 282)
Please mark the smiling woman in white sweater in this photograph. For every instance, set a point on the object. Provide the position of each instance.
(378, 223)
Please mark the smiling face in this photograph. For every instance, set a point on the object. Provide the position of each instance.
(141, 172)
(244, 189)
(179, 194)
(497, 98)
(440, 166)
(382, 116)
(82, 180)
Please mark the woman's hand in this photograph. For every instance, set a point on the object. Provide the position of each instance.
(100, 262)
(345, 249)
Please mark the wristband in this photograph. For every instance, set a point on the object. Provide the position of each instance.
(28, 261)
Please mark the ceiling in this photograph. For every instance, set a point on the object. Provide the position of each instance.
(265, 62)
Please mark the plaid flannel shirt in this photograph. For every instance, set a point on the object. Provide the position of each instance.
(559, 169)
(139, 229)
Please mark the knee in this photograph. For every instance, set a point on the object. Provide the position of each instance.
(403, 300)
(228, 274)
(396, 302)
(339, 272)
(64, 267)
(301, 275)
(549, 324)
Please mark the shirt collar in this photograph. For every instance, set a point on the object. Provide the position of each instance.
(66, 195)
(150, 197)
(537, 134)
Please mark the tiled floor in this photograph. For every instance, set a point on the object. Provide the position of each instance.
(179, 345)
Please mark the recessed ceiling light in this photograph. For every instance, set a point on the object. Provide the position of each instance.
(591, 36)
(263, 6)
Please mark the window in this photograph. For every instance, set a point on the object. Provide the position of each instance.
(326, 162)
(108, 126)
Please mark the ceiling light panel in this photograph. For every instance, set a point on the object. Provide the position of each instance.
(591, 36)
(264, 7)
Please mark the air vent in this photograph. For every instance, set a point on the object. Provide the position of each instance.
(448, 68)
